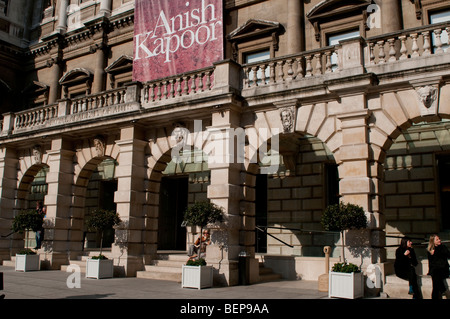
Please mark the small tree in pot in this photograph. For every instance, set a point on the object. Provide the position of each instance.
(341, 217)
(196, 274)
(345, 280)
(24, 222)
(101, 220)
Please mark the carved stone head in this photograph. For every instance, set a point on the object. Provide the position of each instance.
(427, 95)
(99, 144)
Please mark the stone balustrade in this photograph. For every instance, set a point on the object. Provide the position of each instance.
(368, 55)
(177, 86)
(35, 117)
(99, 100)
(288, 68)
(408, 44)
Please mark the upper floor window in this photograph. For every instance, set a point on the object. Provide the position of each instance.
(258, 57)
(439, 17)
(334, 40)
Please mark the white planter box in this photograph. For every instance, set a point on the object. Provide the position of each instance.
(197, 277)
(27, 262)
(346, 285)
(99, 268)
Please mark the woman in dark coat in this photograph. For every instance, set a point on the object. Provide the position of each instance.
(438, 256)
(405, 263)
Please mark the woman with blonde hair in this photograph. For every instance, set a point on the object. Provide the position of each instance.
(438, 256)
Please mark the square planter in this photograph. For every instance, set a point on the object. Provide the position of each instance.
(27, 262)
(99, 268)
(197, 277)
(346, 285)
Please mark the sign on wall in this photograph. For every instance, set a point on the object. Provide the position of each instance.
(176, 36)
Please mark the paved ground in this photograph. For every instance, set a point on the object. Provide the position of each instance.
(44, 289)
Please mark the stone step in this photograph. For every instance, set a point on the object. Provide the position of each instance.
(398, 288)
(167, 266)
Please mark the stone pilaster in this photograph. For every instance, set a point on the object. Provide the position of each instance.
(130, 199)
(8, 184)
(228, 241)
(359, 184)
(58, 240)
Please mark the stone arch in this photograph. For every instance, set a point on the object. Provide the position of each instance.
(407, 157)
(311, 125)
(165, 143)
(31, 161)
(88, 156)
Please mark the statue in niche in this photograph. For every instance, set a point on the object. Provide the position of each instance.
(99, 143)
(37, 154)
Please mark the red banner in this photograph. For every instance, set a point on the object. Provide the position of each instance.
(176, 36)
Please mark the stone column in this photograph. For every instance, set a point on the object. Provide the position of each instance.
(57, 239)
(8, 185)
(62, 16)
(391, 15)
(130, 199)
(55, 88)
(295, 27)
(99, 71)
(105, 8)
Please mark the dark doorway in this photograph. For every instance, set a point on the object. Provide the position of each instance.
(444, 185)
(106, 201)
(172, 204)
(261, 213)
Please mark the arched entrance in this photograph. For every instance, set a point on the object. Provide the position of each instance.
(289, 202)
(180, 183)
(100, 195)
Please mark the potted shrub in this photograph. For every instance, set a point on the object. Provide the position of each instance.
(345, 280)
(100, 220)
(26, 221)
(196, 274)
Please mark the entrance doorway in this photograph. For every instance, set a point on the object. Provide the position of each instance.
(172, 204)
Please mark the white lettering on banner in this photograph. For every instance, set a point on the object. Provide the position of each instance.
(183, 30)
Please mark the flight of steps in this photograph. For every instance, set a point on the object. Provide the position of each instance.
(81, 260)
(398, 288)
(168, 267)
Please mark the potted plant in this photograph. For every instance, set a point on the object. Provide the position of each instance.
(100, 220)
(26, 221)
(345, 280)
(196, 274)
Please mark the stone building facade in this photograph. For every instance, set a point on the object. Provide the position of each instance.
(351, 97)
